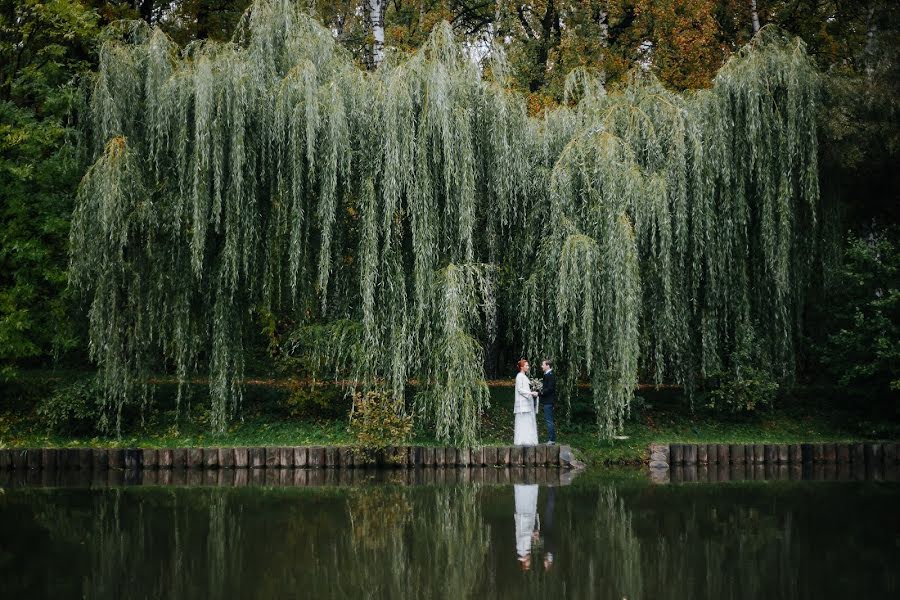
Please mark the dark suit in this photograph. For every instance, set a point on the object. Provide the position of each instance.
(548, 390)
(548, 399)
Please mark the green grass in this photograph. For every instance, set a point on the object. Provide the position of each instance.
(269, 418)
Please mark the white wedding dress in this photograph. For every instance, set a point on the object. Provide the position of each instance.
(525, 432)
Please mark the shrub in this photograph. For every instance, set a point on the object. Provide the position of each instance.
(72, 409)
(752, 389)
(379, 420)
(748, 385)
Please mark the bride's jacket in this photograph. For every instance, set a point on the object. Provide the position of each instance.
(524, 400)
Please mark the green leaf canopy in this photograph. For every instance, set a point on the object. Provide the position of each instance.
(405, 209)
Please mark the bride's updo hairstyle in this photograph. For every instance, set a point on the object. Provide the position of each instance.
(522, 364)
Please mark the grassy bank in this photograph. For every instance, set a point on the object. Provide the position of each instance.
(270, 416)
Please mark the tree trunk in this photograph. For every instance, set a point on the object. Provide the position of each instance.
(754, 16)
(376, 22)
(549, 36)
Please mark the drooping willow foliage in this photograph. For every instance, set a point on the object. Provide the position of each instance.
(394, 213)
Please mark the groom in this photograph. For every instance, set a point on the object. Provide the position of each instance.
(548, 398)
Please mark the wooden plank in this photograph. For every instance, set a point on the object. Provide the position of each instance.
(843, 455)
(241, 458)
(676, 454)
(151, 458)
(164, 458)
(116, 458)
(818, 453)
(689, 453)
(890, 453)
(195, 458)
(782, 454)
(316, 457)
(33, 459)
(806, 453)
(226, 458)
(301, 458)
(540, 455)
(759, 454)
(414, 456)
(873, 453)
(257, 457)
(857, 454)
(345, 457)
(272, 457)
(517, 456)
(722, 452)
(702, 456)
(211, 458)
(553, 455)
(179, 458)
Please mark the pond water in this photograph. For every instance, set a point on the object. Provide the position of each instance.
(606, 535)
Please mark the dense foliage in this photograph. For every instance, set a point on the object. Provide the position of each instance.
(506, 293)
(863, 343)
(42, 47)
(272, 174)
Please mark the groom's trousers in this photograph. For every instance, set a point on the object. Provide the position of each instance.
(548, 418)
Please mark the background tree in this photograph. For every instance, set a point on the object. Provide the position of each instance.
(44, 46)
(862, 348)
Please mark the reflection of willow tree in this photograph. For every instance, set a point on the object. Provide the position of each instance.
(156, 551)
(270, 175)
(156, 544)
(611, 541)
(222, 543)
(415, 545)
(611, 559)
(619, 537)
(745, 554)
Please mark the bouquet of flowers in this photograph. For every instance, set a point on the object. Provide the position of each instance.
(536, 384)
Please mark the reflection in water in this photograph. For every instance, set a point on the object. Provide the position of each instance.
(526, 522)
(535, 535)
(595, 539)
(549, 539)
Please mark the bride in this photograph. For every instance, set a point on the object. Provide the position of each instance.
(526, 425)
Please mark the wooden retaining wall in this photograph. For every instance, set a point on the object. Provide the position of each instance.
(283, 457)
(663, 456)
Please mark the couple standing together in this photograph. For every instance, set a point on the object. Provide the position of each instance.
(527, 402)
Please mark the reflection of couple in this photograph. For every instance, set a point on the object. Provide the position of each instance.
(528, 526)
(525, 409)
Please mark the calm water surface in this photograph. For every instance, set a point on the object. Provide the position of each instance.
(603, 536)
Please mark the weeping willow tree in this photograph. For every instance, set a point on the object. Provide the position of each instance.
(383, 211)
(685, 225)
